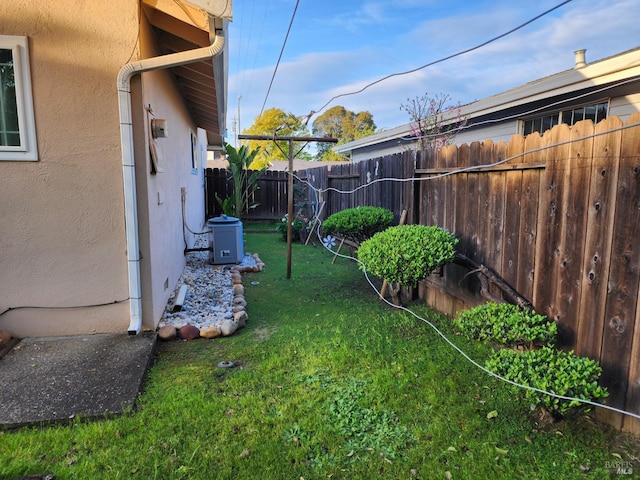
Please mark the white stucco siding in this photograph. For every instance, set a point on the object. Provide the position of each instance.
(624, 106)
(498, 132)
(62, 240)
(160, 195)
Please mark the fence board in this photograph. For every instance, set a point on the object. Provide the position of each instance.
(495, 225)
(550, 220)
(632, 151)
(528, 209)
(513, 201)
(573, 219)
(596, 260)
(473, 197)
(623, 279)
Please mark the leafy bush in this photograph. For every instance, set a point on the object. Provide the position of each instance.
(296, 227)
(405, 254)
(551, 370)
(507, 324)
(358, 223)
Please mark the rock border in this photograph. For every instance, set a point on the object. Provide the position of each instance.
(227, 327)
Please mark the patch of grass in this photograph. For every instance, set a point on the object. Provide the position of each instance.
(329, 383)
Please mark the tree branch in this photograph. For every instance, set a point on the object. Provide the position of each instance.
(486, 275)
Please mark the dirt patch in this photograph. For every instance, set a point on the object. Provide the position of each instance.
(263, 334)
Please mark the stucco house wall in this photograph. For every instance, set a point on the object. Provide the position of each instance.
(62, 233)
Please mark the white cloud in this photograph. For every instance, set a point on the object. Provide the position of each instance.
(307, 79)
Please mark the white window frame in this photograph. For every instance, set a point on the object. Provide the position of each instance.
(195, 153)
(559, 115)
(28, 148)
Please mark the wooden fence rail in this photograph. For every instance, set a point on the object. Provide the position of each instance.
(557, 216)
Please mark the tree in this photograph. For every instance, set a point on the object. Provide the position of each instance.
(274, 122)
(434, 123)
(343, 124)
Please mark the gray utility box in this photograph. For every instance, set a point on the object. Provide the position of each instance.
(225, 240)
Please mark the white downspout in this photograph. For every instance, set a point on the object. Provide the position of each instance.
(128, 166)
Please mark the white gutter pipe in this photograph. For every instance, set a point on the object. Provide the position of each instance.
(128, 166)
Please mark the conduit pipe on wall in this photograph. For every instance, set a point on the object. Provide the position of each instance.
(128, 165)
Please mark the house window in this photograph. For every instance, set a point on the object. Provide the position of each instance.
(17, 124)
(595, 112)
(194, 154)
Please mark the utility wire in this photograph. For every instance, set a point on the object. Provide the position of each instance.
(449, 57)
(464, 169)
(280, 56)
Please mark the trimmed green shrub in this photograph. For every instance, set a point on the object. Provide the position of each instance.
(358, 223)
(507, 324)
(556, 371)
(405, 254)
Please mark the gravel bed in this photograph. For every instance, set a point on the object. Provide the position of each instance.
(210, 295)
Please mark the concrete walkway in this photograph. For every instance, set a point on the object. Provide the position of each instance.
(54, 379)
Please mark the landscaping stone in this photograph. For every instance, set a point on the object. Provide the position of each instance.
(238, 290)
(4, 337)
(241, 318)
(228, 327)
(211, 332)
(189, 332)
(167, 332)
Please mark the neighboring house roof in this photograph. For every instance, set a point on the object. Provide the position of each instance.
(585, 79)
(181, 27)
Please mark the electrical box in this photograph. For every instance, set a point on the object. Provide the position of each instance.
(225, 240)
(159, 128)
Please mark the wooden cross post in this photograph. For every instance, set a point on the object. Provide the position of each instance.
(289, 139)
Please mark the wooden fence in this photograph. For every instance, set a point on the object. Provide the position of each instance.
(270, 197)
(558, 221)
(557, 216)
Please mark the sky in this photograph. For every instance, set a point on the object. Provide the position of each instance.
(337, 47)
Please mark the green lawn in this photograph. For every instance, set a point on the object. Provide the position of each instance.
(328, 383)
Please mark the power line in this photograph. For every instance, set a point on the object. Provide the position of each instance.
(463, 169)
(449, 57)
(280, 56)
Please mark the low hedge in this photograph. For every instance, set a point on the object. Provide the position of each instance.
(555, 371)
(507, 324)
(358, 223)
(406, 254)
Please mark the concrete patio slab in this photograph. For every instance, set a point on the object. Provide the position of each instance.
(54, 379)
